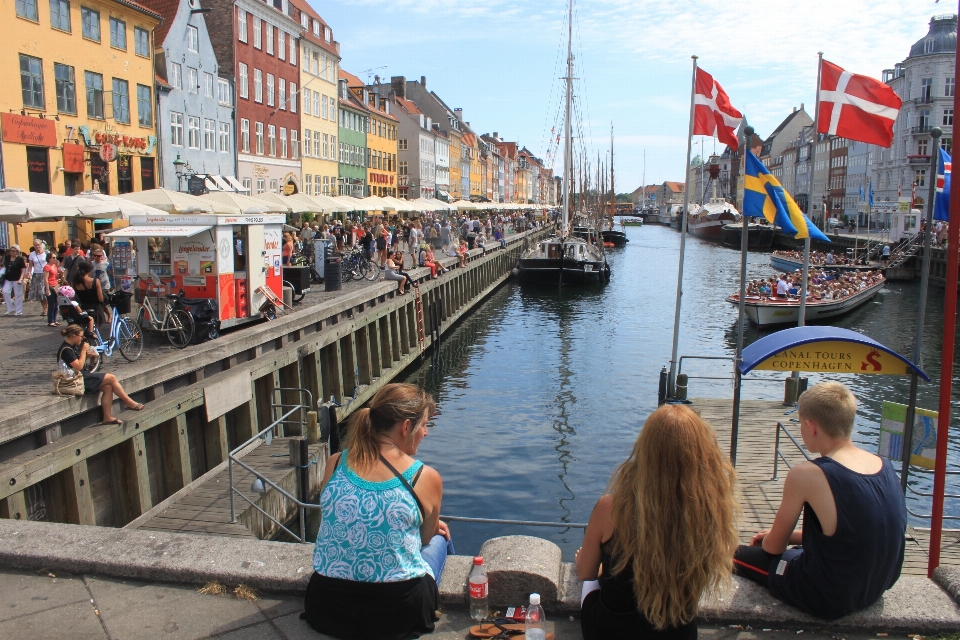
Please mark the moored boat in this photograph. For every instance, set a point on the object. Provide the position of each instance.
(759, 236)
(563, 261)
(766, 311)
(708, 221)
(784, 262)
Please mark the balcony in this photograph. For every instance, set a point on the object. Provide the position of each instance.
(922, 129)
(919, 159)
(924, 100)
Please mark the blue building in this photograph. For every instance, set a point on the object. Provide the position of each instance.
(195, 114)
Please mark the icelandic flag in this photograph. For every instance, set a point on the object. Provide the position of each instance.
(941, 209)
(764, 197)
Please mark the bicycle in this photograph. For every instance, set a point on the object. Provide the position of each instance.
(176, 323)
(355, 265)
(124, 334)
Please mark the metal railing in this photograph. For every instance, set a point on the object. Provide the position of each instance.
(778, 455)
(730, 359)
(921, 494)
(277, 407)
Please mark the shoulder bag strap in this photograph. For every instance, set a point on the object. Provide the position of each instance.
(423, 514)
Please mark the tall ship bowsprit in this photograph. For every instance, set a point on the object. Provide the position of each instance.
(565, 258)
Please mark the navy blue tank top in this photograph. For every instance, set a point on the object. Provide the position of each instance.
(848, 571)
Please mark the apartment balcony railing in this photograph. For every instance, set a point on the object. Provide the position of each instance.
(918, 159)
(920, 130)
(924, 100)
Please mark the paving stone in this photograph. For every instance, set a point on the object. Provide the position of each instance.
(262, 631)
(520, 565)
(74, 622)
(274, 606)
(28, 592)
(142, 611)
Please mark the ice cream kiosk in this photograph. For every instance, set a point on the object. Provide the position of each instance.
(234, 259)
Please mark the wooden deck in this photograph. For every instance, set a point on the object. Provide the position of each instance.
(761, 492)
(203, 507)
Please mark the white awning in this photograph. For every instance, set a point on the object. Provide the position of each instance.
(222, 183)
(210, 184)
(235, 184)
(182, 231)
(443, 193)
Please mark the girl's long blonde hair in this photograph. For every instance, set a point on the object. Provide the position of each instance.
(393, 404)
(674, 515)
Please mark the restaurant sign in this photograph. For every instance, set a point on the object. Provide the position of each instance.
(38, 132)
(835, 357)
(141, 145)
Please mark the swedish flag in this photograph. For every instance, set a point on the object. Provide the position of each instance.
(764, 197)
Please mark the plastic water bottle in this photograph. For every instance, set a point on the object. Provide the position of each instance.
(534, 626)
(479, 584)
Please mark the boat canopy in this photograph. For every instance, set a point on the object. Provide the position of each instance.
(826, 350)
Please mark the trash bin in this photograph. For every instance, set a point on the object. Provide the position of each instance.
(331, 274)
(471, 240)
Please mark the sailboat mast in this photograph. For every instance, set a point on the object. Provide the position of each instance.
(567, 130)
(613, 191)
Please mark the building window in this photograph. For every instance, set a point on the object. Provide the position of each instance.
(306, 100)
(307, 144)
(272, 140)
(402, 144)
(257, 85)
(94, 87)
(293, 97)
(269, 38)
(283, 142)
(326, 33)
(224, 137)
(316, 104)
(948, 87)
(241, 25)
(948, 117)
(246, 184)
(28, 9)
(118, 34)
(66, 88)
(323, 111)
(223, 92)
(294, 145)
(144, 106)
(324, 149)
(293, 51)
(193, 132)
(923, 118)
(921, 147)
(208, 84)
(244, 81)
(193, 80)
(326, 185)
(193, 39)
(245, 135)
(308, 184)
(89, 23)
(281, 94)
(403, 168)
(281, 44)
(928, 45)
(257, 33)
(59, 14)
(141, 42)
(31, 81)
(270, 90)
(258, 135)
(304, 20)
(209, 135)
(175, 75)
(317, 143)
(261, 185)
(176, 129)
(316, 28)
(947, 145)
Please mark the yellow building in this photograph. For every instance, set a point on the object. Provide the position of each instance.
(456, 175)
(382, 146)
(86, 78)
(470, 145)
(319, 71)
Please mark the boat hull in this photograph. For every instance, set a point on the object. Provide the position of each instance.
(789, 265)
(616, 238)
(768, 312)
(758, 237)
(547, 271)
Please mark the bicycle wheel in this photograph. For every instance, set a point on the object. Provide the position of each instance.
(346, 273)
(129, 339)
(371, 271)
(179, 328)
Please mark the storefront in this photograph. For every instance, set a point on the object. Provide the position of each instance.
(265, 175)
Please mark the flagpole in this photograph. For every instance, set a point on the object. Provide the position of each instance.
(744, 240)
(672, 379)
(813, 168)
(946, 373)
(908, 425)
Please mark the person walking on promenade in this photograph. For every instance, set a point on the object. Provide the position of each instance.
(14, 274)
(663, 536)
(51, 274)
(75, 353)
(37, 260)
(854, 518)
(381, 547)
(413, 244)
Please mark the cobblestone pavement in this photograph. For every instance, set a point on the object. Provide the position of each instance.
(42, 605)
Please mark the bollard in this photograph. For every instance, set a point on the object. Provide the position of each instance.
(662, 391)
(288, 296)
(681, 391)
(790, 386)
(293, 447)
(313, 427)
(802, 387)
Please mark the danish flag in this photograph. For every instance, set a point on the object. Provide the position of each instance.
(856, 107)
(941, 209)
(713, 113)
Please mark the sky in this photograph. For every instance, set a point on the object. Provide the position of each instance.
(502, 60)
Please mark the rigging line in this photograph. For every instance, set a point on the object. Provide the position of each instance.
(553, 85)
(582, 77)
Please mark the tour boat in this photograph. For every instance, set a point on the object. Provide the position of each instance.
(766, 311)
(789, 264)
(707, 221)
(759, 236)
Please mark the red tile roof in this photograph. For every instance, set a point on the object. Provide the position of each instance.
(308, 33)
(139, 7)
(167, 9)
(352, 80)
(409, 106)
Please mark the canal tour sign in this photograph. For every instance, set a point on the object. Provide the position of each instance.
(824, 350)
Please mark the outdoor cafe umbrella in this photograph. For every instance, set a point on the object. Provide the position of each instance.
(126, 207)
(374, 203)
(29, 206)
(464, 205)
(176, 202)
(353, 203)
(292, 203)
(246, 204)
(326, 203)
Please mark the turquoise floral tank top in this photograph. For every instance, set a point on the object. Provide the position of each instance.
(369, 531)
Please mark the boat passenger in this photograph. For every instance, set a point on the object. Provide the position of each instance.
(650, 550)
(829, 258)
(854, 517)
(782, 286)
(381, 547)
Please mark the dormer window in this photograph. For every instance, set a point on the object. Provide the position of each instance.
(304, 20)
(316, 28)
(928, 45)
(326, 33)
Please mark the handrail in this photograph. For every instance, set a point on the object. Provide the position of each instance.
(778, 455)
(526, 523)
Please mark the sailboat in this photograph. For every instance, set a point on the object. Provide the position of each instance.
(612, 237)
(564, 258)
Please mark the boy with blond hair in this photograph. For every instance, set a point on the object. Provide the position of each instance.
(854, 518)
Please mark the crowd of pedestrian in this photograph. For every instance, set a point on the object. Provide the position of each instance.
(821, 284)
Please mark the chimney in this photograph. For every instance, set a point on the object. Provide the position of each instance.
(399, 86)
(458, 113)
(496, 135)
(423, 82)
(801, 106)
(376, 101)
(794, 109)
(388, 108)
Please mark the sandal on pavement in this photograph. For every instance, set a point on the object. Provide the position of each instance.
(139, 407)
(114, 421)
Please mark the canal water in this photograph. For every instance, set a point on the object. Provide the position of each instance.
(542, 391)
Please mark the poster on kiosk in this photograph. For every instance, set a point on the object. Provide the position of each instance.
(231, 259)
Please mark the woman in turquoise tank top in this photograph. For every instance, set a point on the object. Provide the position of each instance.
(381, 547)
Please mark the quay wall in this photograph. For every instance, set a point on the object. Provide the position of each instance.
(201, 405)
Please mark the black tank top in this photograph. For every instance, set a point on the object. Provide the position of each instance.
(848, 571)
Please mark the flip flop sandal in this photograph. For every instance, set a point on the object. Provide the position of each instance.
(496, 629)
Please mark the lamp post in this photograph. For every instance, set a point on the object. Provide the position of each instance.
(182, 170)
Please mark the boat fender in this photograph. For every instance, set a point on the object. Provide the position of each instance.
(515, 272)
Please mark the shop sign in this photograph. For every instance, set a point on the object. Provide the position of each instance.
(289, 189)
(108, 152)
(261, 170)
(836, 357)
(380, 178)
(142, 145)
(39, 132)
(73, 158)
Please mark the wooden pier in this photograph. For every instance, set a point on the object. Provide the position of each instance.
(761, 492)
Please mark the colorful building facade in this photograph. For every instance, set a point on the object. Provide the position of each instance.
(353, 151)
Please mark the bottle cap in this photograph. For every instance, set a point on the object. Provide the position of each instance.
(477, 561)
(534, 598)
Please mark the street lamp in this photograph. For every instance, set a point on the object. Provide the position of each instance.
(182, 170)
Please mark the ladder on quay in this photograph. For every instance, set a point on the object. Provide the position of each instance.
(421, 335)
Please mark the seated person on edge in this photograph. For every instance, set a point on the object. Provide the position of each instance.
(662, 536)
(381, 547)
(854, 518)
